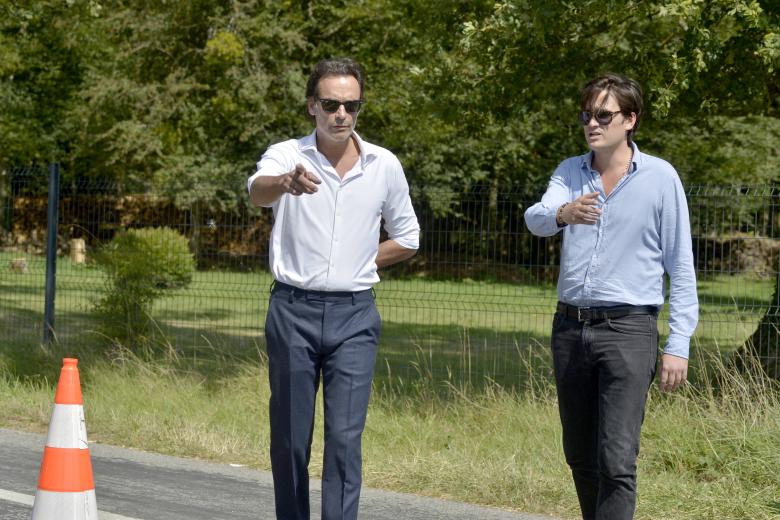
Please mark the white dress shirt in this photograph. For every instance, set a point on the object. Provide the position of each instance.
(328, 240)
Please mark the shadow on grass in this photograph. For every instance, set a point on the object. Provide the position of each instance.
(412, 353)
(409, 355)
(464, 358)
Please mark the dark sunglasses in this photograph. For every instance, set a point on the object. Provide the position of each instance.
(603, 117)
(332, 105)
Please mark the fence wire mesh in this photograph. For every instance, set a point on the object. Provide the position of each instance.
(476, 303)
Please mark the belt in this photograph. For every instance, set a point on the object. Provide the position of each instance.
(603, 313)
(292, 291)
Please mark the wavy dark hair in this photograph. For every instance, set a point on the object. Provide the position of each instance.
(627, 92)
(334, 67)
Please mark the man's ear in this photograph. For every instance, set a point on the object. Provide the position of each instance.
(633, 119)
(310, 106)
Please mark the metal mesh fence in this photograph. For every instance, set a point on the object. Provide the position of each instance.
(475, 303)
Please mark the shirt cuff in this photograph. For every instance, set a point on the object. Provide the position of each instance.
(677, 345)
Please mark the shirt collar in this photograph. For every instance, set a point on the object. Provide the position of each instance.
(367, 153)
(636, 159)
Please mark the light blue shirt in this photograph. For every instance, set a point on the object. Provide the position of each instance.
(644, 230)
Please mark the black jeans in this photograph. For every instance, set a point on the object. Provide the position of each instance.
(603, 370)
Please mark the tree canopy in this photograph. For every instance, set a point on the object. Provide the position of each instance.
(180, 98)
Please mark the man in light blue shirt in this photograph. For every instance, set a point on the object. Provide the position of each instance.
(625, 223)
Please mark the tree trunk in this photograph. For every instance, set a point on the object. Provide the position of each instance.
(762, 349)
(195, 220)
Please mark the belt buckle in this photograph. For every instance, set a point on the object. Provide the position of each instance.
(579, 312)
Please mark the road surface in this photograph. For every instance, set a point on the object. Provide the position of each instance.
(135, 485)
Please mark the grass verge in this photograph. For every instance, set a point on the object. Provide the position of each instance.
(709, 452)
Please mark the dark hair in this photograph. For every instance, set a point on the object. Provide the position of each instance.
(627, 92)
(334, 67)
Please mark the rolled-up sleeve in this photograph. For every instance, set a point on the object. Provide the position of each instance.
(677, 253)
(272, 163)
(400, 219)
(540, 218)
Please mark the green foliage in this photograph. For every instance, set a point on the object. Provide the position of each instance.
(181, 98)
(721, 150)
(506, 93)
(44, 47)
(141, 265)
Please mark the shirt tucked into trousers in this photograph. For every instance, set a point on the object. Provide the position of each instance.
(322, 322)
(605, 359)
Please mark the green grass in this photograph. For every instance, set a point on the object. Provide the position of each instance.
(474, 330)
(463, 406)
(709, 452)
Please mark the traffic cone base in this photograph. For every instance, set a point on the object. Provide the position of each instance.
(51, 505)
(66, 489)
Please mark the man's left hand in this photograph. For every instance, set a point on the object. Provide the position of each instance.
(674, 372)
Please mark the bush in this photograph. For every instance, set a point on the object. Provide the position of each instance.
(141, 266)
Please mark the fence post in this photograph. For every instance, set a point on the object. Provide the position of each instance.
(51, 252)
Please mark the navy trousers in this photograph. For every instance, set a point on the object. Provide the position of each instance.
(603, 370)
(312, 334)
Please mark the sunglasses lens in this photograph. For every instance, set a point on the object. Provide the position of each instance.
(352, 106)
(585, 117)
(329, 105)
(604, 118)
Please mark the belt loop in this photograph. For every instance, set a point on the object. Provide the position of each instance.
(291, 295)
(353, 298)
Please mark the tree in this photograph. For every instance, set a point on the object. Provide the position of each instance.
(512, 83)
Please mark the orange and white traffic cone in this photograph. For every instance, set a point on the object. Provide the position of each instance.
(66, 489)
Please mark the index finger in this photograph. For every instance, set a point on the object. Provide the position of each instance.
(299, 170)
(310, 176)
(590, 199)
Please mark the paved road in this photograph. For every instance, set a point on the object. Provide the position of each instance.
(132, 485)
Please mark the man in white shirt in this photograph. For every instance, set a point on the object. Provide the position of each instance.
(329, 192)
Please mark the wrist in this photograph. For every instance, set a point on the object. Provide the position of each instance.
(559, 214)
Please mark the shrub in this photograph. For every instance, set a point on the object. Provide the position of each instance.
(141, 266)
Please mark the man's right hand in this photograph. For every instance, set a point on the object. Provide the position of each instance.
(582, 210)
(300, 181)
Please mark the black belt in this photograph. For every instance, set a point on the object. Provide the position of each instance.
(603, 313)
